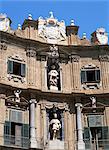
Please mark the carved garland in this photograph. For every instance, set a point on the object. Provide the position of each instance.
(104, 58)
(57, 105)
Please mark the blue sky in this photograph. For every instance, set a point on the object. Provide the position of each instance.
(88, 15)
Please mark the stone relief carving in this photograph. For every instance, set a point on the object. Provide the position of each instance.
(16, 100)
(54, 52)
(50, 105)
(3, 46)
(51, 29)
(31, 52)
(74, 58)
(104, 58)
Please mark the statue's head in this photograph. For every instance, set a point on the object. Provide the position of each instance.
(55, 115)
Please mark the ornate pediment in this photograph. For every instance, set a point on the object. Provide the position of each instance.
(51, 30)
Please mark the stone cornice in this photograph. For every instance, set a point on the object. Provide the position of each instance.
(64, 50)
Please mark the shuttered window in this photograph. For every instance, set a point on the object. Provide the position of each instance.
(100, 134)
(16, 134)
(16, 68)
(25, 135)
(90, 76)
(10, 66)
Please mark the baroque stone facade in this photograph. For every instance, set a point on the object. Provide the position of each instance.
(53, 87)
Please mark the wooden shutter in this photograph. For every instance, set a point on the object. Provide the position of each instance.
(7, 127)
(23, 70)
(62, 120)
(83, 76)
(7, 132)
(10, 66)
(86, 133)
(25, 130)
(25, 135)
(97, 75)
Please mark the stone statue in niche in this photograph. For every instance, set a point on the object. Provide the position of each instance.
(53, 79)
(17, 97)
(55, 126)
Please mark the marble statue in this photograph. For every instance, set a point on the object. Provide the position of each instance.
(4, 22)
(93, 99)
(55, 127)
(17, 93)
(53, 80)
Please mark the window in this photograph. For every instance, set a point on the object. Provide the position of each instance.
(90, 75)
(16, 68)
(16, 134)
(96, 136)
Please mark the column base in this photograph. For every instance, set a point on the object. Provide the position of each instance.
(33, 143)
(80, 145)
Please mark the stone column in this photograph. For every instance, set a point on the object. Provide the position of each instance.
(75, 72)
(104, 61)
(33, 142)
(80, 143)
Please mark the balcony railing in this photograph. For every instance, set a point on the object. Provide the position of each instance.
(11, 140)
(95, 145)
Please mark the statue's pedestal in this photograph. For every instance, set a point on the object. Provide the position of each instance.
(56, 145)
(81, 145)
(54, 88)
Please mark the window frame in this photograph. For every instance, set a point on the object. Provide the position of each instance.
(10, 68)
(84, 78)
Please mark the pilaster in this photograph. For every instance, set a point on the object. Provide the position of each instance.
(104, 61)
(75, 72)
(31, 60)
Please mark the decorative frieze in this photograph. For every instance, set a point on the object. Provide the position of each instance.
(3, 46)
(50, 105)
(53, 52)
(74, 58)
(104, 58)
(31, 52)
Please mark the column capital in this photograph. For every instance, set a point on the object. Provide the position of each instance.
(33, 101)
(30, 52)
(78, 105)
(3, 46)
(104, 58)
(74, 58)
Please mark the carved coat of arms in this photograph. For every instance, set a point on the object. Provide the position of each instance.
(51, 30)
